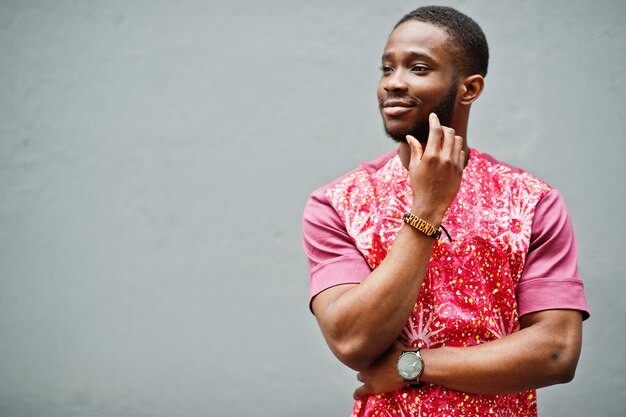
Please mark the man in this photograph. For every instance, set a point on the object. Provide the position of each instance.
(467, 323)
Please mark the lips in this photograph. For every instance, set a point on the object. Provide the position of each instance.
(397, 107)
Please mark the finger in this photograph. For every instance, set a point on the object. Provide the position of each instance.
(462, 163)
(448, 142)
(434, 135)
(456, 153)
(417, 150)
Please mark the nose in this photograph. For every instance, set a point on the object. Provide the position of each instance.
(395, 81)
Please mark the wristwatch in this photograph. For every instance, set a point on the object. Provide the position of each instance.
(410, 366)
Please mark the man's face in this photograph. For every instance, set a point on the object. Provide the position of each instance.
(418, 77)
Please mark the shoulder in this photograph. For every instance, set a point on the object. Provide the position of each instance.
(551, 211)
(503, 168)
(510, 179)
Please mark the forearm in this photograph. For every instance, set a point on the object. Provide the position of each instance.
(544, 353)
(368, 318)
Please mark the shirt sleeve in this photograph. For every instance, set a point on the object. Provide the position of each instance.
(333, 258)
(550, 278)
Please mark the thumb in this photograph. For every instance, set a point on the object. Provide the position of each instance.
(416, 147)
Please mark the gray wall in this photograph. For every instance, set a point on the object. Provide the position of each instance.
(155, 158)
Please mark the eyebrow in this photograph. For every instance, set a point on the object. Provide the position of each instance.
(413, 54)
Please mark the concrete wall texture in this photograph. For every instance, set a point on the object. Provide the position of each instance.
(155, 158)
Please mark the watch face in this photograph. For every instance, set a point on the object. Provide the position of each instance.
(409, 365)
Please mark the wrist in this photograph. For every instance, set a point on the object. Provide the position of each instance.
(432, 216)
(436, 359)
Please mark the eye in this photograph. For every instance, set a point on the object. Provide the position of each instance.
(420, 68)
(385, 69)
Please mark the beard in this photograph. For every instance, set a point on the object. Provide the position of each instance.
(444, 111)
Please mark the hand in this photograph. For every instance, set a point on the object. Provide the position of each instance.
(435, 171)
(382, 375)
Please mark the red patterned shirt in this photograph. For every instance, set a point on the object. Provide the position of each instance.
(502, 263)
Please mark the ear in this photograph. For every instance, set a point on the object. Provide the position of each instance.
(471, 88)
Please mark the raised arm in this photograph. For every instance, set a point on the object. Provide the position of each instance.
(360, 322)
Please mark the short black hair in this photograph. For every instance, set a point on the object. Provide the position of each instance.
(472, 52)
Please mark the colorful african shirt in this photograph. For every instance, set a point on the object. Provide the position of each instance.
(468, 295)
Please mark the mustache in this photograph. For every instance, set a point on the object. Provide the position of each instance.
(398, 101)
